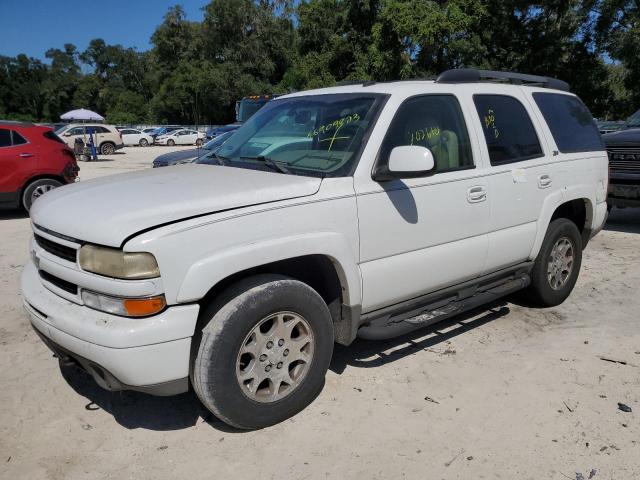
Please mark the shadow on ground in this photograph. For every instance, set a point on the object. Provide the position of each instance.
(626, 220)
(13, 214)
(138, 410)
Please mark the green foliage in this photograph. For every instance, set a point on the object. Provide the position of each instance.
(196, 71)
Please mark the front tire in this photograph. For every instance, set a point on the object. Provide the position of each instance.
(264, 352)
(198, 142)
(557, 266)
(171, 143)
(143, 142)
(36, 189)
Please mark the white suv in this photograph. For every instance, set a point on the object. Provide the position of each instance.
(380, 208)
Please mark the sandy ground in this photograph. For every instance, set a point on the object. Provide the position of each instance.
(507, 392)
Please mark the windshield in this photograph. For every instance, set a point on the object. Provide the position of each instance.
(61, 129)
(217, 142)
(634, 120)
(317, 135)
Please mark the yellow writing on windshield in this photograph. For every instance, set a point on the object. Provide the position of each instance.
(335, 125)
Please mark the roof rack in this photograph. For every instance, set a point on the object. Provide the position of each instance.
(471, 75)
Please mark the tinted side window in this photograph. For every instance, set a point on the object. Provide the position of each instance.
(434, 122)
(5, 138)
(17, 138)
(507, 129)
(570, 122)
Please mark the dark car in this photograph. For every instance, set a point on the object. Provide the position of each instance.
(217, 131)
(162, 131)
(186, 156)
(623, 148)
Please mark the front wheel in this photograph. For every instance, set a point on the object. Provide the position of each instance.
(264, 352)
(144, 142)
(171, 143)
(198, 142)
(557, 266)
(107, 149)
(36, 189)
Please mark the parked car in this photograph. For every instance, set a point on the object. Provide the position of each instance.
(150, 131)
(180, 137)
(623, 148)
(191, 155)
(608, 126)
(33, 160)
(132, 136)
(214, 132)
(108, 138)
(384, 208)
(163, 131)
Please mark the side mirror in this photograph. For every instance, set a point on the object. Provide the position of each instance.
(66, 134)
(406, 161)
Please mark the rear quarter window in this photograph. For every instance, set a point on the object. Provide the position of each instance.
(52, 136)
(570, 122)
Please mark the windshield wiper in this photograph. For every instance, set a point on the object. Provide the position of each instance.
(219, 158)
(273, 164)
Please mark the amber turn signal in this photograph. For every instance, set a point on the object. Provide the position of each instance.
(141, 307)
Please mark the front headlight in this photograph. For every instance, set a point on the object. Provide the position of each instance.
(111, 262)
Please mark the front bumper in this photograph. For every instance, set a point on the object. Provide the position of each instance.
(149, 354)
(624, 195)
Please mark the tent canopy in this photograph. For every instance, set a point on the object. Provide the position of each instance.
(82, 114)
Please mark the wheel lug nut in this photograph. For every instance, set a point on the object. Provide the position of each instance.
(286, 352)
(280, 342)
(267, 368)
(279, 365)
(263, 357)
(269, 344)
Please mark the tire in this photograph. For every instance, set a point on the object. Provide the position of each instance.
(242, 312)
(107, 148)
(198, 142)
(170, 143)
(143, 142)
(37, 188)
(551, 283)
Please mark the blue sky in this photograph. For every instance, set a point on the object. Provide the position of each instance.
(34, 26)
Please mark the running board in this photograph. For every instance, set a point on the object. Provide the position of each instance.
(453, 303)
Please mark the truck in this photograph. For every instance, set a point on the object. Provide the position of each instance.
(366, 210)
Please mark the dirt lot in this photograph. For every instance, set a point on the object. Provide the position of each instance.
(507, 392)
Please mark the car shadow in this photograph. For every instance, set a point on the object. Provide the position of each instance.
(135, 410)
(371, 354)
(625, 220)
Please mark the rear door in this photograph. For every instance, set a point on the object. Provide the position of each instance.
(18, 158)
(521, 173)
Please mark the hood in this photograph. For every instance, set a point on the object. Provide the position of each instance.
(110, 209)
(622, 137)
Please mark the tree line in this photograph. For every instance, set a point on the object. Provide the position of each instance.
(195, 71)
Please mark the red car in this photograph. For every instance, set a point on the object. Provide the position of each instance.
(33, 160)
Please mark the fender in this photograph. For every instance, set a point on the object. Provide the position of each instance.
(552, 202)
(208, 271)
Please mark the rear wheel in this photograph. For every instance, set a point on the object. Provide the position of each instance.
(143, 142)
(264, 352)
(556, 269)
(107, 148)
(36, 189)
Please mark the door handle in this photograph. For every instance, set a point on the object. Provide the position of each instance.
(26, 155)
(476, 194)
(544, 181)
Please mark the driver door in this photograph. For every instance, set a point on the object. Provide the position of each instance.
(423, 234)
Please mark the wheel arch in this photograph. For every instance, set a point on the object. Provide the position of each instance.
(40, 176)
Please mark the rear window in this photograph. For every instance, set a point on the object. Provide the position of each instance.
(507, 128)
(5, 138)
(17, 138)
(52, 136)
(570, 122)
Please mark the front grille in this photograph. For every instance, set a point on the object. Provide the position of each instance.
(624, 159)
(57, 249)
(60, 283)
